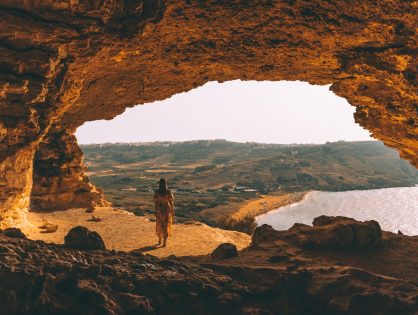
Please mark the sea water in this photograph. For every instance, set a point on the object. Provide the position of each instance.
(394, 208)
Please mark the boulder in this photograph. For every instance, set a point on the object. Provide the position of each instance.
(264, 234)
(367, 233)
(327, 231)
(50, 228)
(336, 232)
(15, 233)
(225, 251)
(80, 237)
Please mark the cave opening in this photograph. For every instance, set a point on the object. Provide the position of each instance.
(284, 112)
(122, 154)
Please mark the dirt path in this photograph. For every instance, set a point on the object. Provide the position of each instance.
(121, 230)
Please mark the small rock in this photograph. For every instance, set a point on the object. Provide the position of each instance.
(80, 237)
(51, 228)
(264, 233)
(399, 232)
(138, 212)
(225, 251)
(95, 218)
(15, 233)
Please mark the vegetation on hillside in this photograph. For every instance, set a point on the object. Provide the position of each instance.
(211, 178)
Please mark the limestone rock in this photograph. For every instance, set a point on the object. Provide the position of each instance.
(68, 281)
(82, 238)
(264, 233)
(65, 63)
(337, 232)
(224, 251)
(95, 219)
(331, 232)
(14, 232)
(52, 228)
(134, 304)
(347, 231)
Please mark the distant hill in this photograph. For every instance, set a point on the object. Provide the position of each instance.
(264, 167)
(219, 174)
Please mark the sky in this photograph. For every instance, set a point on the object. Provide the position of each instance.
(266, 112)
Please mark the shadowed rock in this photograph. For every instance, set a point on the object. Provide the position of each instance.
(331, 232)
(65, 63)
(345, 232)
(14, 232)
(277, 277)
(224, 251)
(80, 237)
(134, 304)
(264, 233)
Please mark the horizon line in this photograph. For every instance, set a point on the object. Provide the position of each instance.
(225, 140)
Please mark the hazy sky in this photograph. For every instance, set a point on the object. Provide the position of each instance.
(268, 112)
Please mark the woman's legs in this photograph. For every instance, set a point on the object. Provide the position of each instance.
(165, 235)
(164, 227)
(159, 230)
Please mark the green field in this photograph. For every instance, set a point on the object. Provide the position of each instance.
(211, 177)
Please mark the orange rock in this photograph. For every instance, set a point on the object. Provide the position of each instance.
(65, 63)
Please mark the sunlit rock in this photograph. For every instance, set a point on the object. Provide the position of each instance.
(65, 63)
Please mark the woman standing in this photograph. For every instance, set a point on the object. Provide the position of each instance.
(164, 211)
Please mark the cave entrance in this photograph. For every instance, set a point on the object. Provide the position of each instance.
(240, 111)
(287, 137)
(220, 145)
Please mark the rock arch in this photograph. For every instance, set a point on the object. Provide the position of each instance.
(66, 62)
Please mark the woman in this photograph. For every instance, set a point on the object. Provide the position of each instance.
(164, 211)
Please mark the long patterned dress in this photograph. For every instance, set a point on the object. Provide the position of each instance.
(164, 212)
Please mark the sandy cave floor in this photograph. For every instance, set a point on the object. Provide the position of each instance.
(122, 230)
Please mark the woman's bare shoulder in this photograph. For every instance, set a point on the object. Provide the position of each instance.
(170, 194)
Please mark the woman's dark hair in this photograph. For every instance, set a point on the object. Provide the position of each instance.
(162, 186)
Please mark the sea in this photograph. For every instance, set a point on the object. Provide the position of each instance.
(396, 209)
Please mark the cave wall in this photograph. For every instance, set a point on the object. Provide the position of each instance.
(59, 182)
(63, 63)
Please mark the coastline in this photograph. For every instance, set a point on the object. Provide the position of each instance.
(244, 219)
(362, 205)
(267, 203)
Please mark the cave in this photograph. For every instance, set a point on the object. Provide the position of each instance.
(65, 63)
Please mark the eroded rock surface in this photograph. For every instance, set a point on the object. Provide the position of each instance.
(326, 232)
(273, 277)
(64, 63)
(224, 251)
(14, 232)
(80, 237)
(59, 182)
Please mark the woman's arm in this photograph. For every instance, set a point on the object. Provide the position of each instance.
(171, 203)
(156, 203)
